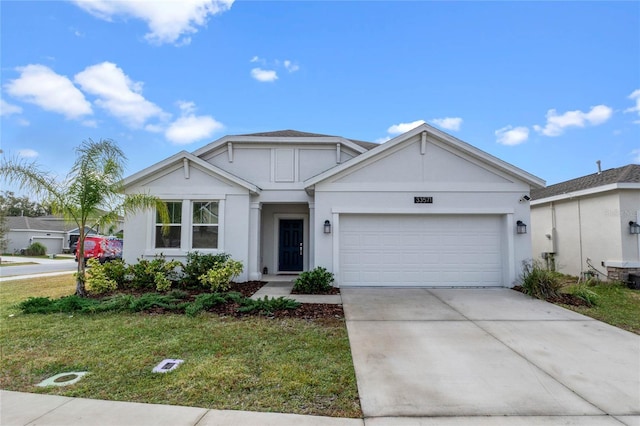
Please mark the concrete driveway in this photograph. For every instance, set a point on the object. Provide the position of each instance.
(487, 356)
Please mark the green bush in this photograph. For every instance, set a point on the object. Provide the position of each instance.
(198, 264)
(68, 304)
(116, 270)
(538, 282)
(96, 278)
(36, 249)
(318, 280)
(219, 278)
(153, 274)
(204, 302)
(583, 292)
(267, 306)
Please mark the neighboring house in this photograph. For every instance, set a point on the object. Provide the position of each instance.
(423, 209)
(56, 234)
(588, 218)
(24, 231)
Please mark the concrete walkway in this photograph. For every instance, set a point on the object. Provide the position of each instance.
(21, 409)
(487, 357)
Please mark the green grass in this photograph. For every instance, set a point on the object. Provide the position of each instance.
(614, 304)
(254, 363)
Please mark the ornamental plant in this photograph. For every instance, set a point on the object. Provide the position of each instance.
(317, 280)
(97, 280)
(220, 277)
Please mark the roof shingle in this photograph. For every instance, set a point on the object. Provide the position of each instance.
(298, 134)
(626, 174)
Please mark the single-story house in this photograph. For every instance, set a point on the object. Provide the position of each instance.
(422, 209)
(52, 232)
(55, 233)
(591, 218)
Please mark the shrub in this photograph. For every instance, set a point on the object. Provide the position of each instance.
(151, 274)
(36, 249)
(204, 302)
(116, 270)
(538, 282)
(583, 292)
(219, 278)
(318, 280)
(199, 264)
(267, 306)
(96, 278)
(68, 304)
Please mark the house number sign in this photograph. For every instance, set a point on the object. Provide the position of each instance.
(423, 200)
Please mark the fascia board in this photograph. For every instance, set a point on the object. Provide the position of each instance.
(278, 140)
(532, 180)
(175, 159)
(585, 192)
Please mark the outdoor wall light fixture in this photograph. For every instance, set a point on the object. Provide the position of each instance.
(327, 227)
(634, 227)
(521, 227)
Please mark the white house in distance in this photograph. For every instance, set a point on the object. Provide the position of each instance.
(423, 209)
(592, 217)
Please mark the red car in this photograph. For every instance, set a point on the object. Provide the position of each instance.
(102, 248)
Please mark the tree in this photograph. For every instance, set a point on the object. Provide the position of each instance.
(91, 194)
(12, 205)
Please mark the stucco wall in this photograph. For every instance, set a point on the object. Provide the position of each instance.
(587, 227)
(459, 185)
(630, 211)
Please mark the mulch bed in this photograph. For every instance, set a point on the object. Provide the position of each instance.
(331, 291)
(308, 311)
(563, 298)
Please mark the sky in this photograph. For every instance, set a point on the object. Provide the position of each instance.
(549, 87)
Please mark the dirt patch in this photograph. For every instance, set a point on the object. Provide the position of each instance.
(562, 299)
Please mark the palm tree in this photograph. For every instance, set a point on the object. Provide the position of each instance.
(90, 195)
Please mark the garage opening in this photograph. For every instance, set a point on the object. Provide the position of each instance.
(421, 250)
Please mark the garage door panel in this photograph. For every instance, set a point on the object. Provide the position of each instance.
(430, 250)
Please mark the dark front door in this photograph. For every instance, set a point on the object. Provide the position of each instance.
(291, 249)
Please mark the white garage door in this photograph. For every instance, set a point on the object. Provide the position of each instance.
(421, 250)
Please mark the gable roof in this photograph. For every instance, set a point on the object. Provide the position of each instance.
(298, 134)
(533, 181)
(625, 174)
(37, 224)
(285, 136)
(180, 157)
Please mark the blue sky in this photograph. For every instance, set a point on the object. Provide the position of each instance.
(550, 87)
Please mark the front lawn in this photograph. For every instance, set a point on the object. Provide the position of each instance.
(614, 304)
(252, 363)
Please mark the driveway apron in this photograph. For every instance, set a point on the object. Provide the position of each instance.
(447, 353)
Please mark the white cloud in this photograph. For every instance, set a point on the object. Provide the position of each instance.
(397, 129)
(556, 124)
(383, 140)
(168, 21)
(290, 66)
(635, 96)
(635, 156)
(7, 109)
(189, 127)
(41, 86)
(449, 123)
(27, 153)
(264, 75)
(117, 94)
(511, 136)
(256, 59)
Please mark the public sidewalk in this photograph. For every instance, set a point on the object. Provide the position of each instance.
(21, 409)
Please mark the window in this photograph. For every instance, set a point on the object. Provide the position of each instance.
(170, 238)
(205, 224)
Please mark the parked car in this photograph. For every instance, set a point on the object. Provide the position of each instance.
(103, 248)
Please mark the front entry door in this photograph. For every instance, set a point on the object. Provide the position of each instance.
(290, 245)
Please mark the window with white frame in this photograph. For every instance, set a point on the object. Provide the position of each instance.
(205, 225)
(170, 236)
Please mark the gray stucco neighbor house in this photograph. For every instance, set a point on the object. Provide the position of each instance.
(592, 217)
